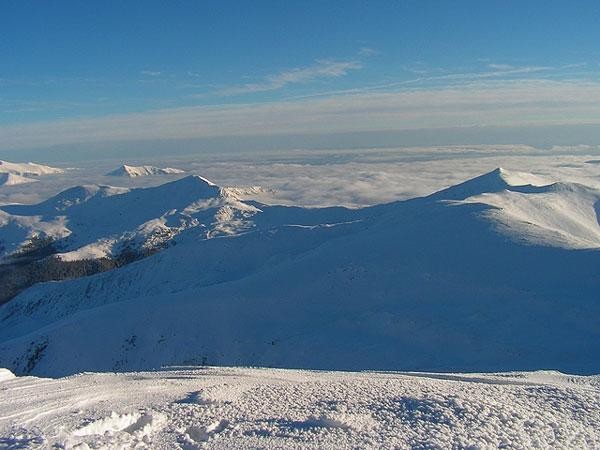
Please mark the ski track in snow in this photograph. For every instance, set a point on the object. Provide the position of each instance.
(193, 408)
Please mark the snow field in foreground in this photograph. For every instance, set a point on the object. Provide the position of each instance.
(192, 408)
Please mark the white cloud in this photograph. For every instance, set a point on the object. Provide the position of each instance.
(151, 73)
(341, 177)
(500, 66)
(368, 51)
(321, 69)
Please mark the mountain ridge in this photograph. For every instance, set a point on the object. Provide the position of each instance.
(28, 169)
(139, 171)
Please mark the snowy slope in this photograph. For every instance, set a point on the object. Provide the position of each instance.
(192, 408)
(139, 171)
(6, 374)
(532, 209)
(27, 169)
(10, 179)
(101, 221)
(446, 282)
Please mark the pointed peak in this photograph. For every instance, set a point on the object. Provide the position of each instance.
(193, 180)
(193, 187)
(497, 180)
(203, 180)
(498, 177)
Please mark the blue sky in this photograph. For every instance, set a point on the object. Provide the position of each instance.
(74, 71)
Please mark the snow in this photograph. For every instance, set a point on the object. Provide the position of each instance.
(138, 171)
(17, 230)
(27, 169)
(195, 407)
(10, 179)
(73, 196)
(561, 214)
(101, 248)
(6, 374)
(517, 178)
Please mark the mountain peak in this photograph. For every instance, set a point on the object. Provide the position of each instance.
(202, 180)
(497, 180)
(193, 180)
(191, 187)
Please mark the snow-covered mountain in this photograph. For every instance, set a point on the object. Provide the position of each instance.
(28, 169)
(533, 209)
(139, 171)
(497, 273)
(10, 179)
(88, 222)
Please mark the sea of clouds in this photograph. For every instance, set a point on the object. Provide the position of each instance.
(334, 177)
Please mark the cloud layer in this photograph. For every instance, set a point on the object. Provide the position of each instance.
(344, 177)
(498, 103)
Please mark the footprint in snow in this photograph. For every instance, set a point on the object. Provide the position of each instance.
(195, 434)
(196, 398)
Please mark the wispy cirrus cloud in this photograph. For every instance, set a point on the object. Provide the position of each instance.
(323, 68)
(509, 68)
(498, 71)
(436, 78)
(151, 73)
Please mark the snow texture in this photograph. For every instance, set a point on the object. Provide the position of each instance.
(193, 408)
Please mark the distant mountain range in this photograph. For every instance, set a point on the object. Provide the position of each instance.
(139, 171)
